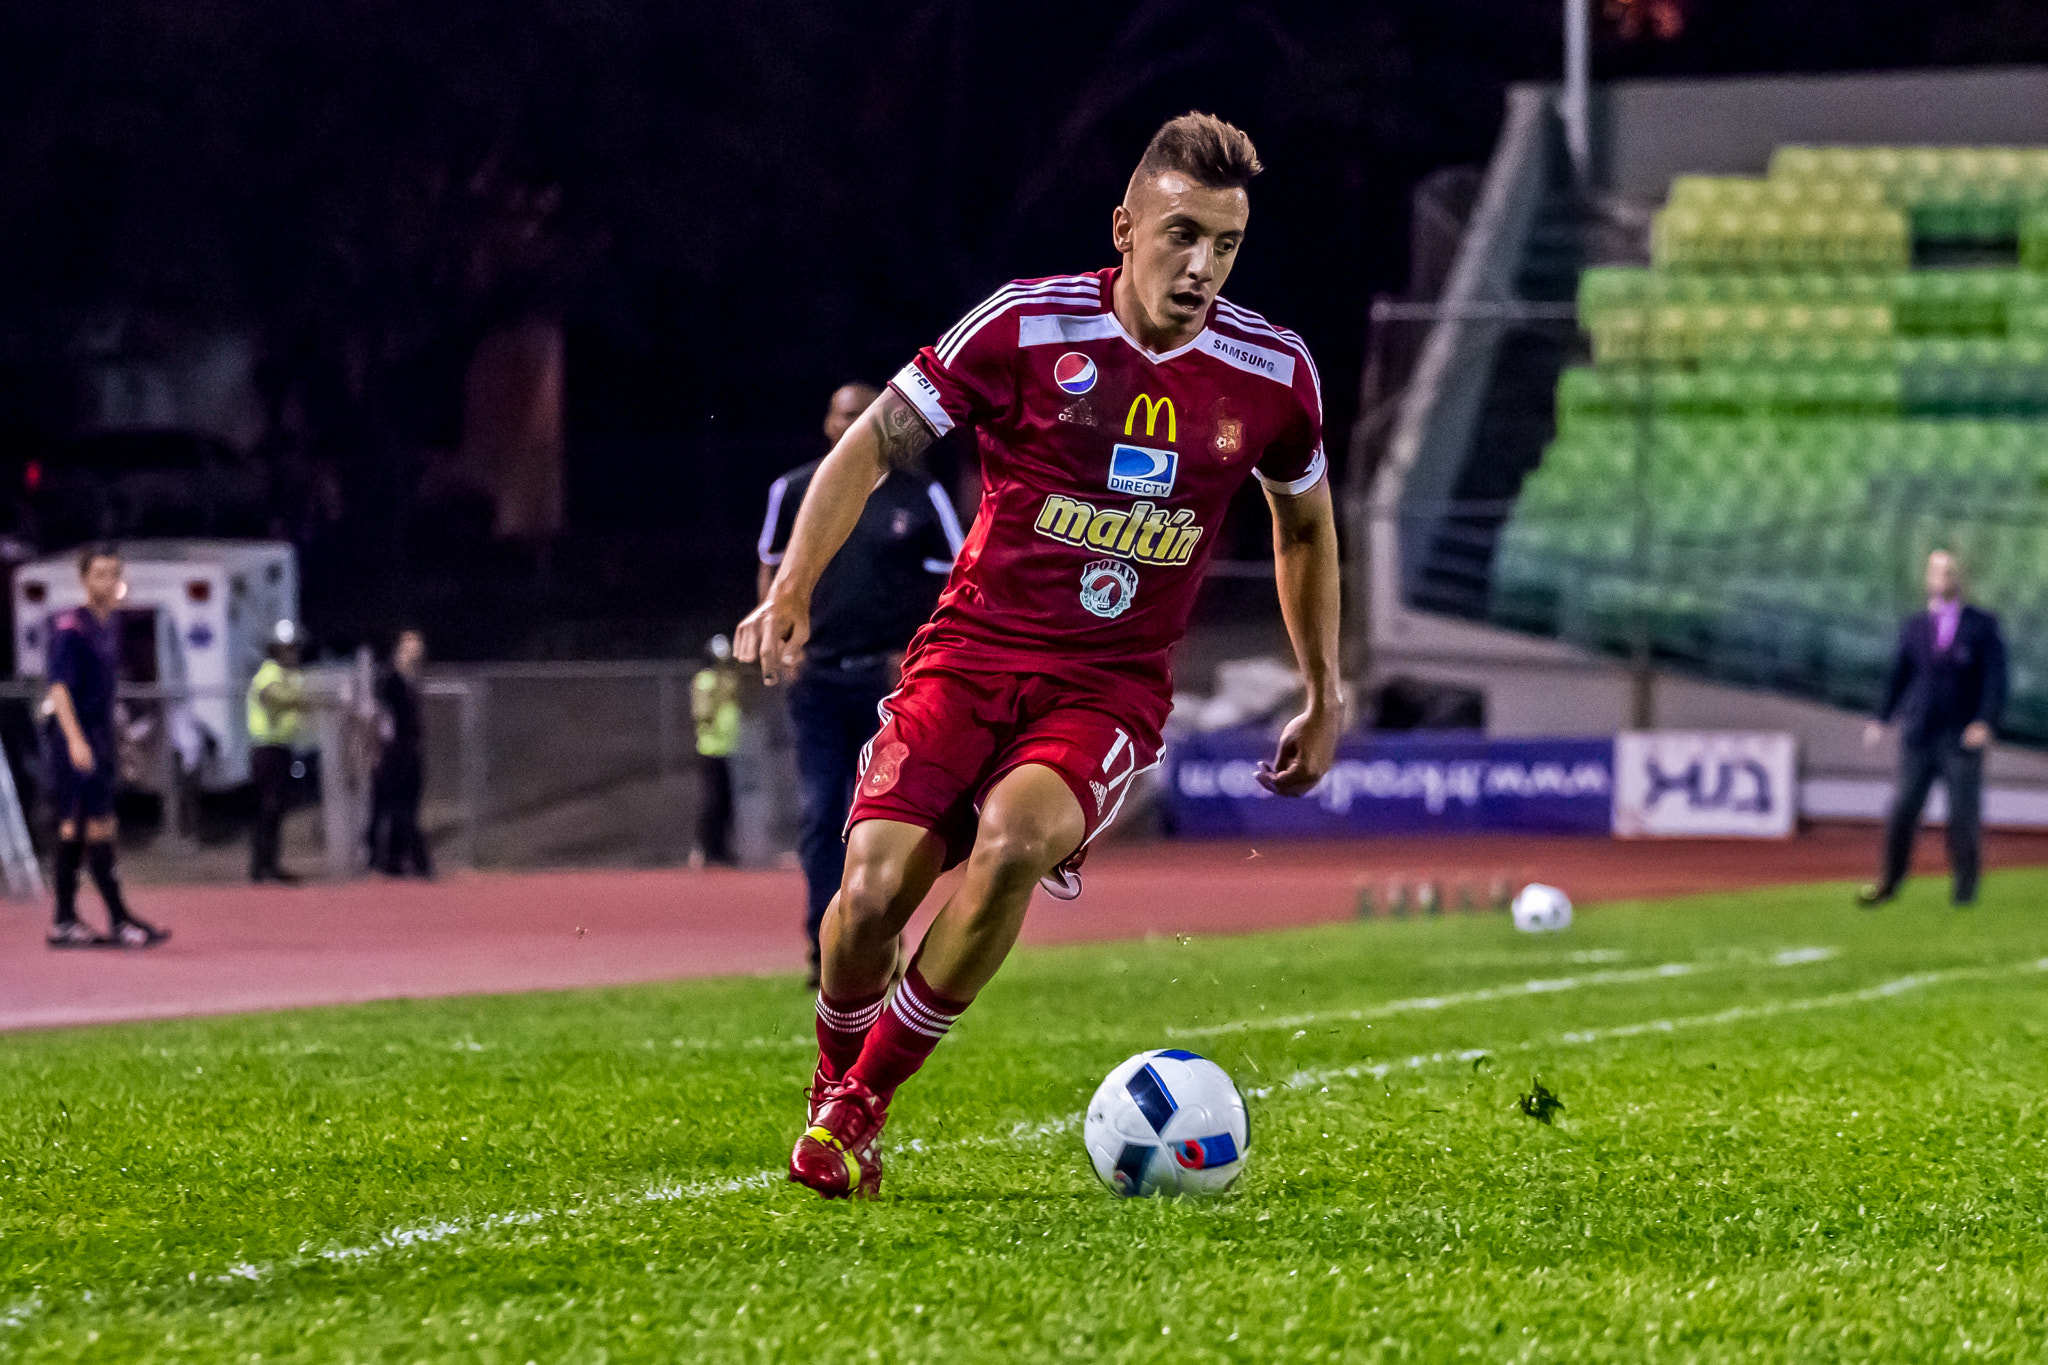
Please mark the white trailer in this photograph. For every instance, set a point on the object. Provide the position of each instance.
(195, 622)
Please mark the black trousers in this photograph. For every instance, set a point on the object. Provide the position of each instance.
(396, 844)
(1961, 771)
(270, 766)
(714, 813)
(833, 713)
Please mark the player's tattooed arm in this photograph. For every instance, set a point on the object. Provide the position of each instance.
(889, 436)
(901, 432)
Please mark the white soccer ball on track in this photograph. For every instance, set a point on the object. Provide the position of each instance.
(1167, 1122)
(1541, 908)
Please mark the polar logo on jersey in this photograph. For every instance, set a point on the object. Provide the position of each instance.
(1074, 372)
(1107, 588)
(1140, 469)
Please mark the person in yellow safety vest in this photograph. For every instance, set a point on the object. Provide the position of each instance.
(277, 710)
(715, 707)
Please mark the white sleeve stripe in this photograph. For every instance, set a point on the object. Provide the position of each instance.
(949, 520)
(1252, 322)
(1317, 466)
(1017, 290)
(766, 546)
(917, 389)
(951, 344)
(938, 566)
(951, 350)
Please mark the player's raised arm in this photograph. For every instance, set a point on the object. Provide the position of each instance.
(889, 435)
(1305, 569)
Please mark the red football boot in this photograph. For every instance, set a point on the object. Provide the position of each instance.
(815, 1093)
(840, 1154)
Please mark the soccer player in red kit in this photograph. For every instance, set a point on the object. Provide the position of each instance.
(1118, 412)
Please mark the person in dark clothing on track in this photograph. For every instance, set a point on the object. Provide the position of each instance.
(79, 739)
(1946, 689)
(396, 844)
(879, 588)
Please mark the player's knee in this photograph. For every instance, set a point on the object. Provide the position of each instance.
(1020, 851)
(870, 890)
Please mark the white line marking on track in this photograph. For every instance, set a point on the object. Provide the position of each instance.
(1619, 976)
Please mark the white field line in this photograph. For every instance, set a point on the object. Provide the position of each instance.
(428, 1234)
(1616, 976)
(1304, 1080)
(448, 1229)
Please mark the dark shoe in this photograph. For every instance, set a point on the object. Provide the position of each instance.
(73, 934)
(278, 875)
(137, 933)
(1964, 903)
(1870, 895)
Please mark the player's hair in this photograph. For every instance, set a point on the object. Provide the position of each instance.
(1205, 149)
(102, 550)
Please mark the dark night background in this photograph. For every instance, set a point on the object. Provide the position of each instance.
(723, 212)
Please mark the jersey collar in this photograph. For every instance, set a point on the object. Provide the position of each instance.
(1156, 357)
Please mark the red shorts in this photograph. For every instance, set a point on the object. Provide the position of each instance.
(949, 736)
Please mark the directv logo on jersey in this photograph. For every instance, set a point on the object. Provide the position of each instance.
(1140, 469)
(1074, 372)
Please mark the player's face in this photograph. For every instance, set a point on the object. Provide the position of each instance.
(1178, 240)
(103, 585)
(411, 650)
(1944, 579)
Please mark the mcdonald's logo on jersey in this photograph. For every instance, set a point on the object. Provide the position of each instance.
(1153, 407)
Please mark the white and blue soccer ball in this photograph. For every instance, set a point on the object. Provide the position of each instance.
(1167, 1122)
(1540, 909)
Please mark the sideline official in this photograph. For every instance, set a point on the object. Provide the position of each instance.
(276, 706)
(877, 591)
(396, 844)
(1946, 689)
(715, 709)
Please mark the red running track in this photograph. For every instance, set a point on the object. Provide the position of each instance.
(240, 948)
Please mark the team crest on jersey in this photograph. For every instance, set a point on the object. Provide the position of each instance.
(1080, 414)
(1074, 372)
(1229, 437)
(884, 768)
(899, 522)
(1107, 587)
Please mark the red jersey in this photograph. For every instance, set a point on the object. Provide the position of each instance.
(1106, 470)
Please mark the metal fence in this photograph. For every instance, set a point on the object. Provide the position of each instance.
(526, 765)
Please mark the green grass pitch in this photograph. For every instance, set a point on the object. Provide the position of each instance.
(1790, 1131)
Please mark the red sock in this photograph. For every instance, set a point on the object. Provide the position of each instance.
(905, 1035)
(842, 1027)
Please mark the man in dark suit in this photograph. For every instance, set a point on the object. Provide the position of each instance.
(1947, 688)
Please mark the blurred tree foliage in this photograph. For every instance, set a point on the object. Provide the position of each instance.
(733, 207)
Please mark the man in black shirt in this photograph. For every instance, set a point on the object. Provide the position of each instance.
(877, 591)
(84, 666)
(396, 844)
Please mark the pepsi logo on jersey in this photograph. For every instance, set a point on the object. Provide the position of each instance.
(1074, 372)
